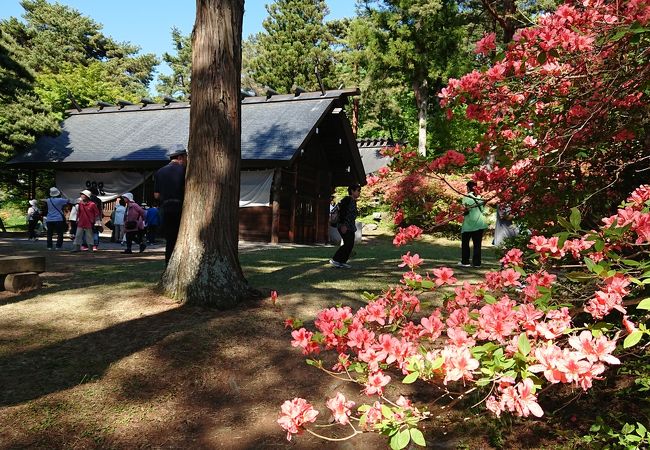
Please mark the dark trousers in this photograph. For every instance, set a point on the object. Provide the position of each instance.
(31, 229)
(59, 228)
(476, 237)
(73, 227)
(171, 224)
(151, 234)
(343, 253)
(134, 236)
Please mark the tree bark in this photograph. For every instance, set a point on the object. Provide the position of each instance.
(421, 91)
(204, 268)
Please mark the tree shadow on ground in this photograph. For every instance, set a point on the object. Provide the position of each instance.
(32, 374)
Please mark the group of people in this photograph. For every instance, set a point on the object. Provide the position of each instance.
(130, 222)
(472, 230)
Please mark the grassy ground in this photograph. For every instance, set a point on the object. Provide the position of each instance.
(98, 359)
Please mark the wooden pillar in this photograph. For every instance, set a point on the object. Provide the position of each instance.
(294, 194)
(275, 217)
(355, 116)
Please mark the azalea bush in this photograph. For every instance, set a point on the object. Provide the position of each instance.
(553, 315)
(566, 110)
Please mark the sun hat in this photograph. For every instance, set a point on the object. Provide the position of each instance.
(128, 196)
(54, 192)
(33, 202)
(86, 192)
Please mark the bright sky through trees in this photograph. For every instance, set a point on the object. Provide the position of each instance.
(148, 23)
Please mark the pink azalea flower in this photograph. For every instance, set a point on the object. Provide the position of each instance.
(444, 275)
(459, 364)
(295, 414)
(413, 262)
(340, 408)
(527, 400)
(376, 382)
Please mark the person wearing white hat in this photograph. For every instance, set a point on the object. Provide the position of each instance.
(33, 217)
(87, 215)
(133, 223)
(55, 218)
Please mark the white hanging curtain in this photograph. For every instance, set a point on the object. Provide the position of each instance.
(110, 184)
(255, 188)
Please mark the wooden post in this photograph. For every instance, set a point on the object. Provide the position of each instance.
(275, 217)
(294, 194)
(355, 116)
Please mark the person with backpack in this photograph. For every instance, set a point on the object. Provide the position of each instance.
(55, 218)
(33, 217)
(346, 224)
(474, 225)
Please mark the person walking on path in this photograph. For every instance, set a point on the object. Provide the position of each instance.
(33, 217)
(169, 190)
(347, 227)
(133, 223)
(473, 226)
(87, 215)
(55, 218)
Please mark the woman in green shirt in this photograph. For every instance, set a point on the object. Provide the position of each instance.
(473, 226)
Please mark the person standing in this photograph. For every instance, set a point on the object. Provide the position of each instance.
(55, 218)
(100, 206)
(87, 215)
(474, 225)
(152, 223)
(72, 218)
(118, 219)
(347, 226)
(133, 223)
(504, 228)
(33, 217)
(169, 190)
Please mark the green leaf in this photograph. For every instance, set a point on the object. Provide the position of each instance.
(579, 276)
(631, 262)
(564, 223)
(575, 218)
(542, 57)
(427, 284)
(418, 437)
(599, 245)
(411, 377)
(403, 438)
(386, 412)
(437, 364)
(632, 339)
(644, 304)
(524, 344)
(490, 300)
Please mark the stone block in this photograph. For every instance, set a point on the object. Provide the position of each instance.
(22, 282)
(19, 264)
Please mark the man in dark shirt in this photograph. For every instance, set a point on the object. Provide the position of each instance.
(169, 190)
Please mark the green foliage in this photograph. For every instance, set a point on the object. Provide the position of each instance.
(178, 83)
(295, 42)
(629, 436)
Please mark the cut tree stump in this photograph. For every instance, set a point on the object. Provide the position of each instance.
(22, 282)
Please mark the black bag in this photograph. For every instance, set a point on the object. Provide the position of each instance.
(110, 225)
(131, 225)
(36, 216)
(334, 215)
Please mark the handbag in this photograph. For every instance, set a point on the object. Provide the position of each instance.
(99, 226)
(131, 225)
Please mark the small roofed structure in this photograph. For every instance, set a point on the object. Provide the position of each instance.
(370, 150)
(295, 148)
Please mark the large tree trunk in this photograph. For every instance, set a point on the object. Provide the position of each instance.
(204, 269)
(421, 91)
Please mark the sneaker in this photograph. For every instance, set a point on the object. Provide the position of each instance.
(95, 248)
(462, 264)
(346, 266)
(336, 263)
(84, 248)
(142, 247)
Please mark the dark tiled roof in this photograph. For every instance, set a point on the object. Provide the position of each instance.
(273, 129)
(370, 149)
